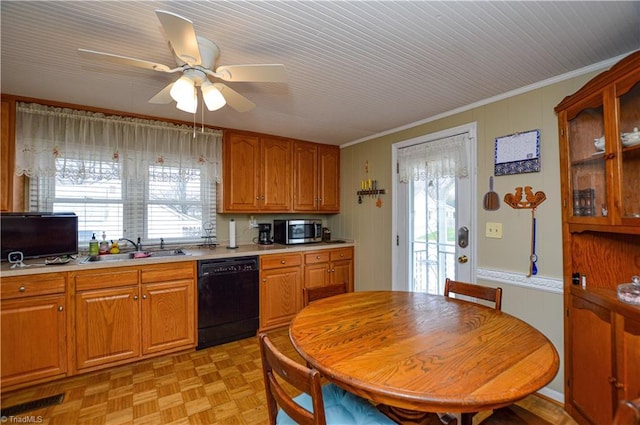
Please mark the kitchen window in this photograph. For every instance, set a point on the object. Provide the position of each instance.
(125, 178)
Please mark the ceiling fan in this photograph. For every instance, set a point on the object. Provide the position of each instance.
(196, 57)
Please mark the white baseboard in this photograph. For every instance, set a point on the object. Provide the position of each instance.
(552, 394)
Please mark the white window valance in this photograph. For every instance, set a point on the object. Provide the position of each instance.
(84, 146)
(445, 157)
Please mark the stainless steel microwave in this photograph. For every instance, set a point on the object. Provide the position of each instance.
(297, 231)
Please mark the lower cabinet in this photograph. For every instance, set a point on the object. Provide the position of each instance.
(605, 361)
(280, 289)
(123, 314)
(168, 310)
(33, 329)
(329, 266)
(282, 277)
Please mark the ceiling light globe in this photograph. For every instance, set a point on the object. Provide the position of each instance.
(188, 105)
(182, 90)
(212, 97)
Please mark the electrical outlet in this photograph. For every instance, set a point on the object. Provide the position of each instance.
(494, 230)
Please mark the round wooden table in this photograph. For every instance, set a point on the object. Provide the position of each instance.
(425, 353)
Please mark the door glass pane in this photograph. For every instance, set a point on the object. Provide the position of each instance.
(587, 163)
(630, 139)
(433, 234)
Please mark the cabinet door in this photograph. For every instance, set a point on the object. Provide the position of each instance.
(590, 339)
(280, 296)
(317, 275)
(241, 173)
(587, 161)
(305, 186)
(342, 271)
(628, 100)
(627, 358)
(107, 326)
(328, 178)
(276, 175)
(34, 343)
(168, 316)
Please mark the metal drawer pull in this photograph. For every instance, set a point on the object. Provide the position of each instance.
(22, 289)
(135, 298)
(282, 262)
(60, 308)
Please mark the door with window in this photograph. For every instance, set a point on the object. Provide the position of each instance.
(433, 210)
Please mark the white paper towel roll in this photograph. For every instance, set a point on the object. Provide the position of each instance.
(232, 234)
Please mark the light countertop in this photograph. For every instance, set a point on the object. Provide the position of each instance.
(37, 266)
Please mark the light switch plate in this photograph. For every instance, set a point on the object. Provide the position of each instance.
(494, 230)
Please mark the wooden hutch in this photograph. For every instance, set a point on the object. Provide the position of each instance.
(601, 240)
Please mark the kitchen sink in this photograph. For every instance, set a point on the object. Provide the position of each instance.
(136, 255)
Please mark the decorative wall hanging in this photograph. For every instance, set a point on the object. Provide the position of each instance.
(517, 153)
(531, 201)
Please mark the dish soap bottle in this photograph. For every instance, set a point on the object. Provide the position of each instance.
(93, 246)
(104, 245)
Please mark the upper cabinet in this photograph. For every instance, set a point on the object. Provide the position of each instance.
(256, 173)
(268, 174)
(599, 129)
(316, 177)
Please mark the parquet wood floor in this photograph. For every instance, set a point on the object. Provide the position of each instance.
(218, 385)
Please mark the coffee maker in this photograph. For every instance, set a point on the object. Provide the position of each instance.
(264, 234)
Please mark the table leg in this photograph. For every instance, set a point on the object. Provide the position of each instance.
(466, 418)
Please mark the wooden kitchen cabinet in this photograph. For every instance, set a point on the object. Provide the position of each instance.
(107, 316)
(280, 289)
(168, 307)
(329, 266)
(126, 313)
(600, 186)
(256, 173)
(316, 177)
(605, 367)
(601, 241)
(33, 326)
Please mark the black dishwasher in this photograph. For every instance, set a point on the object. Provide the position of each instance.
(228, 308)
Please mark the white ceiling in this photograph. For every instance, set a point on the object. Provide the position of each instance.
(355, 69)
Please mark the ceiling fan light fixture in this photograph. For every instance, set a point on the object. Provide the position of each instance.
(183, 90)
(188, 105)
(212, 96)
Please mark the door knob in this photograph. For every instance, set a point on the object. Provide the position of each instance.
(462, 259)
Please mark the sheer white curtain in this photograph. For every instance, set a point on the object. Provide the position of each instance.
(445, 157)
(83, 147)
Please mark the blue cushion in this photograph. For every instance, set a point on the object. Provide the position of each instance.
(341, 408)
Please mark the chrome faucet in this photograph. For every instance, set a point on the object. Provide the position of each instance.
(137, 245)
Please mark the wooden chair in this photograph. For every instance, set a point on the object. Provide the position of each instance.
(628, 413)
(493, 295)
(317, 405)
(318, 292)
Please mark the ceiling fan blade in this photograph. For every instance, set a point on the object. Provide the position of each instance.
(267, 73)
(162, 97)
(181, 35)
(123, 60)
(235, 99)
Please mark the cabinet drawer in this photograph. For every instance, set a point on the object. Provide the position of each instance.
(317, 257)
(166, 272)
(38, 284)
(106, 278)
(277, 261)
(341, 254)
